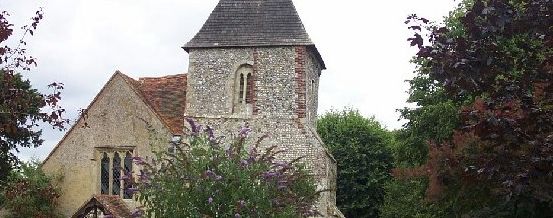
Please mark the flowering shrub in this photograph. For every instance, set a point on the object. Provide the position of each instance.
(206, 178)
(31, 193)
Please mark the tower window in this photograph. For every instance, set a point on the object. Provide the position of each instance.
(244, 88)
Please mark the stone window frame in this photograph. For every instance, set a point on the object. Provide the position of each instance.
(122, 151)
(243, 88)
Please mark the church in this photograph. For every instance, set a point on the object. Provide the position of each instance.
(251, 62)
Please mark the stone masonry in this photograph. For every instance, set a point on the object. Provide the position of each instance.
(284, 103)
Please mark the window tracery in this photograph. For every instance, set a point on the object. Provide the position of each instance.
(114, 165)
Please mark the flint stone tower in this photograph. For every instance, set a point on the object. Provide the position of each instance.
(253, 62)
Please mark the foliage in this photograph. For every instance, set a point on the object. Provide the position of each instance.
(22, 108)
(407, 199)
(432, 119)
(494, 62)
(31, 193)
(206, 178)
(361, 148)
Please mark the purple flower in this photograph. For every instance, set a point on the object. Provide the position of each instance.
(253, 152)
(244, 163)
(237, 215)
(138, 161)
(195, 128)
(143, 177)
(268, 175)
(137, 213)
(209, 173)
(245, 131)
(210, 134)
(210, 200)
(228, 151)
(124, 177)
(242, 203)
(131, 190)
(218, 178)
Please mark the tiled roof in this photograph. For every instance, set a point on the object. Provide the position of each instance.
(166, 96)
(251, 23)
(109, 204)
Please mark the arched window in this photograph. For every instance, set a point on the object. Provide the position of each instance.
(242, 91)
(244, 87)
(116, 168)
(249, 87)
(104, 174)
(128, 171)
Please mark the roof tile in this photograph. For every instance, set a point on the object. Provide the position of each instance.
(166, 96)
(251, 23)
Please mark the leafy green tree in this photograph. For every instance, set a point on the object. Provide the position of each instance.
(494, 63)
(22, 108)
(32, 193)
(206, 178)
(361, 148)
(432, 119)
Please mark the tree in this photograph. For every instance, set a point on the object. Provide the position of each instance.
(495, 62)
(361, 148)
(22, 108)
(433, 119)
(32, 193)
(205, 178)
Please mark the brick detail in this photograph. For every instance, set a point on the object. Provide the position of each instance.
(255, 80)
(300, 81)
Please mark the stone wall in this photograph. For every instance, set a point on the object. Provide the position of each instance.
(284, 103)
(117, 119)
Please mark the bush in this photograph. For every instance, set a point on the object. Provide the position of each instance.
(206, 178)
(361, 148)
(31, 193)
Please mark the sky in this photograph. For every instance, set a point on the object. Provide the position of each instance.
(81, 43)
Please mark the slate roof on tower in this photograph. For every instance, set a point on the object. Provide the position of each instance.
(253, 23)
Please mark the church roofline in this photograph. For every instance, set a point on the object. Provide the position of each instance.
(253, 23)
(135, 86)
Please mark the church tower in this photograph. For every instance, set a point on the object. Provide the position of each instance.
(253, 63)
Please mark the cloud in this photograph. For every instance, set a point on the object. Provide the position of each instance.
(81, 43)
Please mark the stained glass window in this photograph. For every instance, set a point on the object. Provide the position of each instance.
(116, 169)
(104, 174)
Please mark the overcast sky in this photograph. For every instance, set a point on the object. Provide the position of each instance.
(83, 42)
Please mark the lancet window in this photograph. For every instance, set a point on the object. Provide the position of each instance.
(114, 166)
(243, 87)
